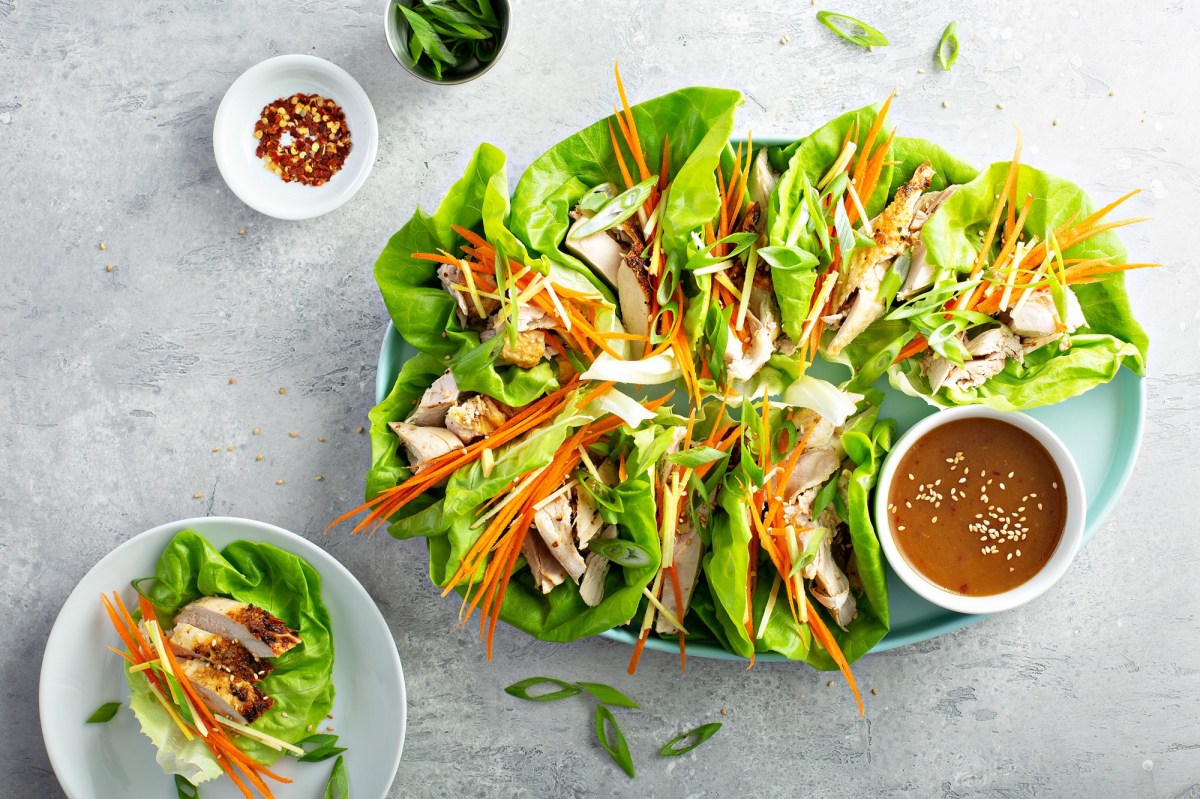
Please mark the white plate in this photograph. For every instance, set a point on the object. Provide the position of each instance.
(103, 761)
(234, 143)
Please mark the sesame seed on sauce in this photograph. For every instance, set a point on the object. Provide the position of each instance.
(979, 454)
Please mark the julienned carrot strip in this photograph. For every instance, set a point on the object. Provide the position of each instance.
(635, 145)
(1010, 179)
(677, 590)
(666, 163)
(441, 258)
(625, 176)
(863, 155)
(910, 349)
(822, 634)
(637, 651)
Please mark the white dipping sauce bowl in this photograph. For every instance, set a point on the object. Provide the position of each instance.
(1050, 573)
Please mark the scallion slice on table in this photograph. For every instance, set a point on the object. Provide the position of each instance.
(613, 740)
(521, 689)
(682, 744)
(608, 695)
(947, 51)
(852, 30)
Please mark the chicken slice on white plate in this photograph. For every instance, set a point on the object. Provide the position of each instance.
(224, 653)
(264, 635)
(225, 693)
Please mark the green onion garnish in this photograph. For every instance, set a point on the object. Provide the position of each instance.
(947, 52)
(104, 713)
(851, 29)
(615, 744)
(692, 739)
(338, 786)
(184, 789)
(607, 694)
(620, 552)
(521, 689)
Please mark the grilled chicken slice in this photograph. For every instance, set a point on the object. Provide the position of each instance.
(813, 468)
(527, 351)
(921, 273)
(547, 572)
(437, 399)
(763, 318)
(989, 350)
(227, 655)
(891, 233)
(689, 550)
(424, 443)
(225, 693)
(264, 635)
(600, 250)
(553, 523)
(474, 418)
(1037, 317)
(830, 586)
(868, 267)
(587, 517)
(450, 276)
(595, 570)
(634, 291)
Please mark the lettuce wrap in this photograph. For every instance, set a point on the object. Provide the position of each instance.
(696, 122)
(282, 584)
(1108, 337)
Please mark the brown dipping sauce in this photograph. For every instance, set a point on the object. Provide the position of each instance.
(977, 506)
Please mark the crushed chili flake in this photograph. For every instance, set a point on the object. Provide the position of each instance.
(303, 138)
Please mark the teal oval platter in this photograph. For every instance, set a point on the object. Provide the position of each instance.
(1102, 428)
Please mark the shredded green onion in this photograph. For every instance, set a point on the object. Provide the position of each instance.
(620, 551)
(608, 695)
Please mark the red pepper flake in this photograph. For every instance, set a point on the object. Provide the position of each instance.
(303, 138)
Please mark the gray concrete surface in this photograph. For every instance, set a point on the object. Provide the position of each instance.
(115, 387)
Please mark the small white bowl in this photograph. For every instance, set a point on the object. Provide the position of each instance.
(1032, 588)
(234, 144)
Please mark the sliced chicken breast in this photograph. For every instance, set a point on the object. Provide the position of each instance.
(261, 633)
(1036, 316)
(437, 399)
(474, 418)
(553, 523)
(424, 443)
(225, 654)
(634, 291)
(587, 517)
(547, 572)
(595, 571)
(225, 693)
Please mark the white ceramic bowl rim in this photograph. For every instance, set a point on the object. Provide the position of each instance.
(234, 145)
(1059, 561)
